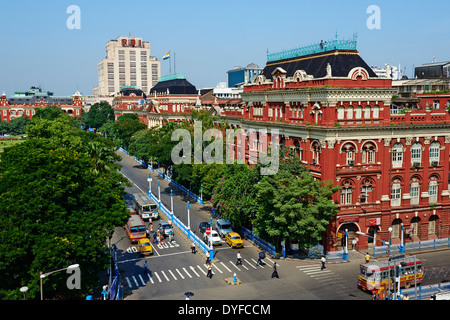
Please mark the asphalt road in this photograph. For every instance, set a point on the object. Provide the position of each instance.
(175, 270)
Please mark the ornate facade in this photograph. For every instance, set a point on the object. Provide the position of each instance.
(331, 108)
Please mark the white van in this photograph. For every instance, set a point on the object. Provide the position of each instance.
(223, 227)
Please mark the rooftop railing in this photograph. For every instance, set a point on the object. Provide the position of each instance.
(322, 46)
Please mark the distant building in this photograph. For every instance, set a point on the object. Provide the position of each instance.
(128, 62)
(26, 103)
(240, 76)
(394, 72)
(433, 70)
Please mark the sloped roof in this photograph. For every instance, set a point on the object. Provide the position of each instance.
(341, 62)
(175, 86)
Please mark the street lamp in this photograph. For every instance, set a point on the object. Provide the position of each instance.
(43, 275)
(149, 179)
(171, 205)
(24, 290)
(211, 253)
(346, 245)
(159, 193)
(402, 248)
(189, 221)
(201, 193)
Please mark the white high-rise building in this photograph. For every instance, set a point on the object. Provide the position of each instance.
(128, 62)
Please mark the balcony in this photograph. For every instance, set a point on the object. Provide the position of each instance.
(421, 116)
(360, 168)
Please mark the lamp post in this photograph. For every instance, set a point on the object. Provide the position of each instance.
(389, 260)
(171, 204)
(211, 253)
(346, 245)
(189, 220)
(149, 179)
(24, 290)
(201, 193)
(43, 275)
(402, 248)
(159, 193)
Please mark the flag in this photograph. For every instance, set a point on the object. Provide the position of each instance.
(166, 56)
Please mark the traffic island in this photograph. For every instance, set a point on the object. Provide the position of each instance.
(233, 280)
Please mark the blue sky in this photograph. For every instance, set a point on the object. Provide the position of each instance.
(208, 37)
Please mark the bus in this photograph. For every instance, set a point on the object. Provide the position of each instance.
(375, 275)
(145, 206)
(135, 228)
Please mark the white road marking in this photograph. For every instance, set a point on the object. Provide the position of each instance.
(182, 277)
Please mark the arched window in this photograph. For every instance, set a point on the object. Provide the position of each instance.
(415, 226)
(396, 193)
(366, 112)
(397, 155)
(414, 190)
(368, 153)
(358, 112)
(433, 189)
(396, 226)
(376, 112)
(349, 150)
(366, 191)
(346, 192)
(434, 152)
(315, 148)
(432, 224)
(340, 113)
(349, 112)
(416, 154)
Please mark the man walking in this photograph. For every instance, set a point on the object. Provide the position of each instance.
(193, 247)
(323, 263)
(275, 272)
(209, 275)
(238, 257)
(147, 271)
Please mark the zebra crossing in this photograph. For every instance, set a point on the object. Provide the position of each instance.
(226, 268)
(316, 272)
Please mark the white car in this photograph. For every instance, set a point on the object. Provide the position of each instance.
(215, 238)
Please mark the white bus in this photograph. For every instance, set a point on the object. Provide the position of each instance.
(145, 206)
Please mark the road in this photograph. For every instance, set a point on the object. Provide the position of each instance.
(175, 269)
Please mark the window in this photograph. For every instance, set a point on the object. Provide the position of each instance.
(350, 113)
(432, 191)
(346, 193)
(376, 111)
(415, 225)
(315, 152)
(434, 152)
(340, 113)
(416, 153)
(396, 191)
(414, 192)
(396, 224)
(366, 191)
(435, 104)
(358, 112)
(368, 153)
(397, 155)
(432, 224)
(350, 154)
(367, 112)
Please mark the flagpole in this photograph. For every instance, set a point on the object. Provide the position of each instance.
(170, 65)
(174, 64)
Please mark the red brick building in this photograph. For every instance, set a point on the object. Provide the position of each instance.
(331, 108)
(26, 105)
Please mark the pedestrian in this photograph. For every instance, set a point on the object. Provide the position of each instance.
(209, 271)
(323, 263)
(193, 247)
(274, 271)
(207, 257)
(261, 256)
(145, 268)
(367, 257)
(154, 238)
(170, 235)
(238, 258)
(405, 297)
(161, 238)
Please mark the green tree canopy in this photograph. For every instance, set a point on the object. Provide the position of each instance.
(98, 114)
(58, 202)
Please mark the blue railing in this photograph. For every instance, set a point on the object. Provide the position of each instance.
(426, 291)
(270, 248)
(411, 247)
(187, 231)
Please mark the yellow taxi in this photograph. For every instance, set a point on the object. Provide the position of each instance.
(145, 247)
(234, 240)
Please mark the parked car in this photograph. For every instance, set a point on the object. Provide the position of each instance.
(145, 247)
(223, 227)
(165, 228)
(203, 226)
(214, 236)
(234, 240)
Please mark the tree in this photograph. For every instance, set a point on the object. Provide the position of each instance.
(58, 202)
(294, 207)
(126, 126)
(99, 114)
(18, 126)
